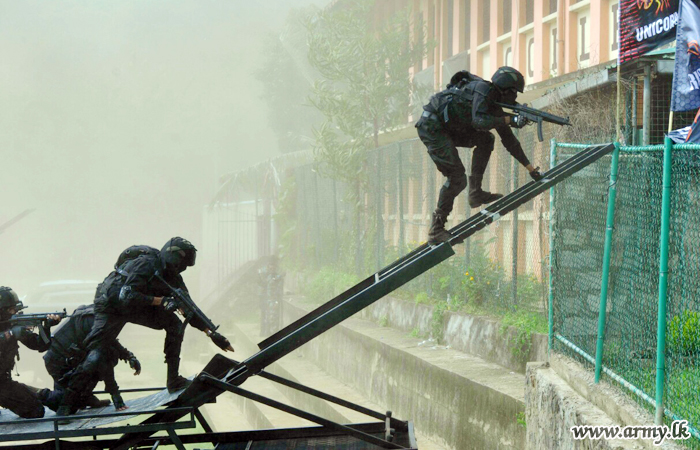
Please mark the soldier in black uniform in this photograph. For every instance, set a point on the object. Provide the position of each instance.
(17, 397)
(134, 293)
(67, 353)
(461, 116)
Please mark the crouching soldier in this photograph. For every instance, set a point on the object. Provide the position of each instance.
(17, 397)
(67, 353)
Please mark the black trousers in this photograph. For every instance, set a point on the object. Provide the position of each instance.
(107, 327)
(20, 399)
(443, 151)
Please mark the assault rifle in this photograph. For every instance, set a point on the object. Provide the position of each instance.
(187, 306)
(35, 320)
(535, 115)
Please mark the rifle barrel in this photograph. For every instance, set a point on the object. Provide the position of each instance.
(544, 115)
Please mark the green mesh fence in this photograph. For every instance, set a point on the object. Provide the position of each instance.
(683, 312)
(633, 296)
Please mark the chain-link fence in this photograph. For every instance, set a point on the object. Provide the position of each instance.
(358, 228)
(342, 231)
(633, 299)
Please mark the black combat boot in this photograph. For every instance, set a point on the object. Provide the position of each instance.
(68, 405)
(437, 233)
(477, 196)
(175, 382)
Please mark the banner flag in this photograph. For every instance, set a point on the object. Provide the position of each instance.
(687, 135)
(645, 25)
(685, 94)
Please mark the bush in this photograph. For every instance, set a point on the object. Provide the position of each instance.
(684, 334)
(326, 284)
(482, 280)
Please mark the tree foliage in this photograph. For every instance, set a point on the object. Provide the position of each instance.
(364, 86)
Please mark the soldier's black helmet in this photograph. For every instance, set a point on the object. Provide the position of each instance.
(508, 78)
(178, 254)
(9, 299)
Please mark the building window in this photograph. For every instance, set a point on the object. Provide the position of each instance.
(615, 13)
(553, 51)
(485, 20)
(467, 23)
(507, 15)
(420, 35)
(450, 26)
(530, 57)
(584, 42)
(552, 6)
(529, 11)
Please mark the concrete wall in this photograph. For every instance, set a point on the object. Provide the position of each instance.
(563, 394)
(456, 400)
(475, 335)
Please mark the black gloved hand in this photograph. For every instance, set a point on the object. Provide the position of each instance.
(118, 402)
(51, 321)
(169, 304)
(518, 121)
(536, 175)
(220, 341)
(19, 331)
(134, 363)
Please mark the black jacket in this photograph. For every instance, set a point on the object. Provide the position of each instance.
(134, 285)
(476, 111)
(9, 348)
(67, 345)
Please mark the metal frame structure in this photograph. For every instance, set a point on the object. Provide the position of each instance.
(388, 432)
(222, 374)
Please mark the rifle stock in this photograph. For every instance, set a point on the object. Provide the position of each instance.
(535, 115)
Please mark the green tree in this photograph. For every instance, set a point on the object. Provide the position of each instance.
(364, 88)
(365, 85)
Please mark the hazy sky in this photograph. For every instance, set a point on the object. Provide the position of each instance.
(116, 119)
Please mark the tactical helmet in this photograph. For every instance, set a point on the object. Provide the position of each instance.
(8, 298)
(178, 253)
(508, 78)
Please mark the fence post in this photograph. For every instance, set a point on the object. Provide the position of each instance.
(402, 232)
(336, 245)
(317, 222)
(552, 163)
(663, 283)
(609, 227)
(514, 235)
(380, 204)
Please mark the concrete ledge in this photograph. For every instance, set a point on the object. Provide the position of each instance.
(610, 399)
(554, 404)
(475, 335)
(459, 401)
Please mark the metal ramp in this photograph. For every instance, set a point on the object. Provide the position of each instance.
(222, 374)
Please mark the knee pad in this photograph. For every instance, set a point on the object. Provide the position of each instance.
(456, 183)
(94, 359)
